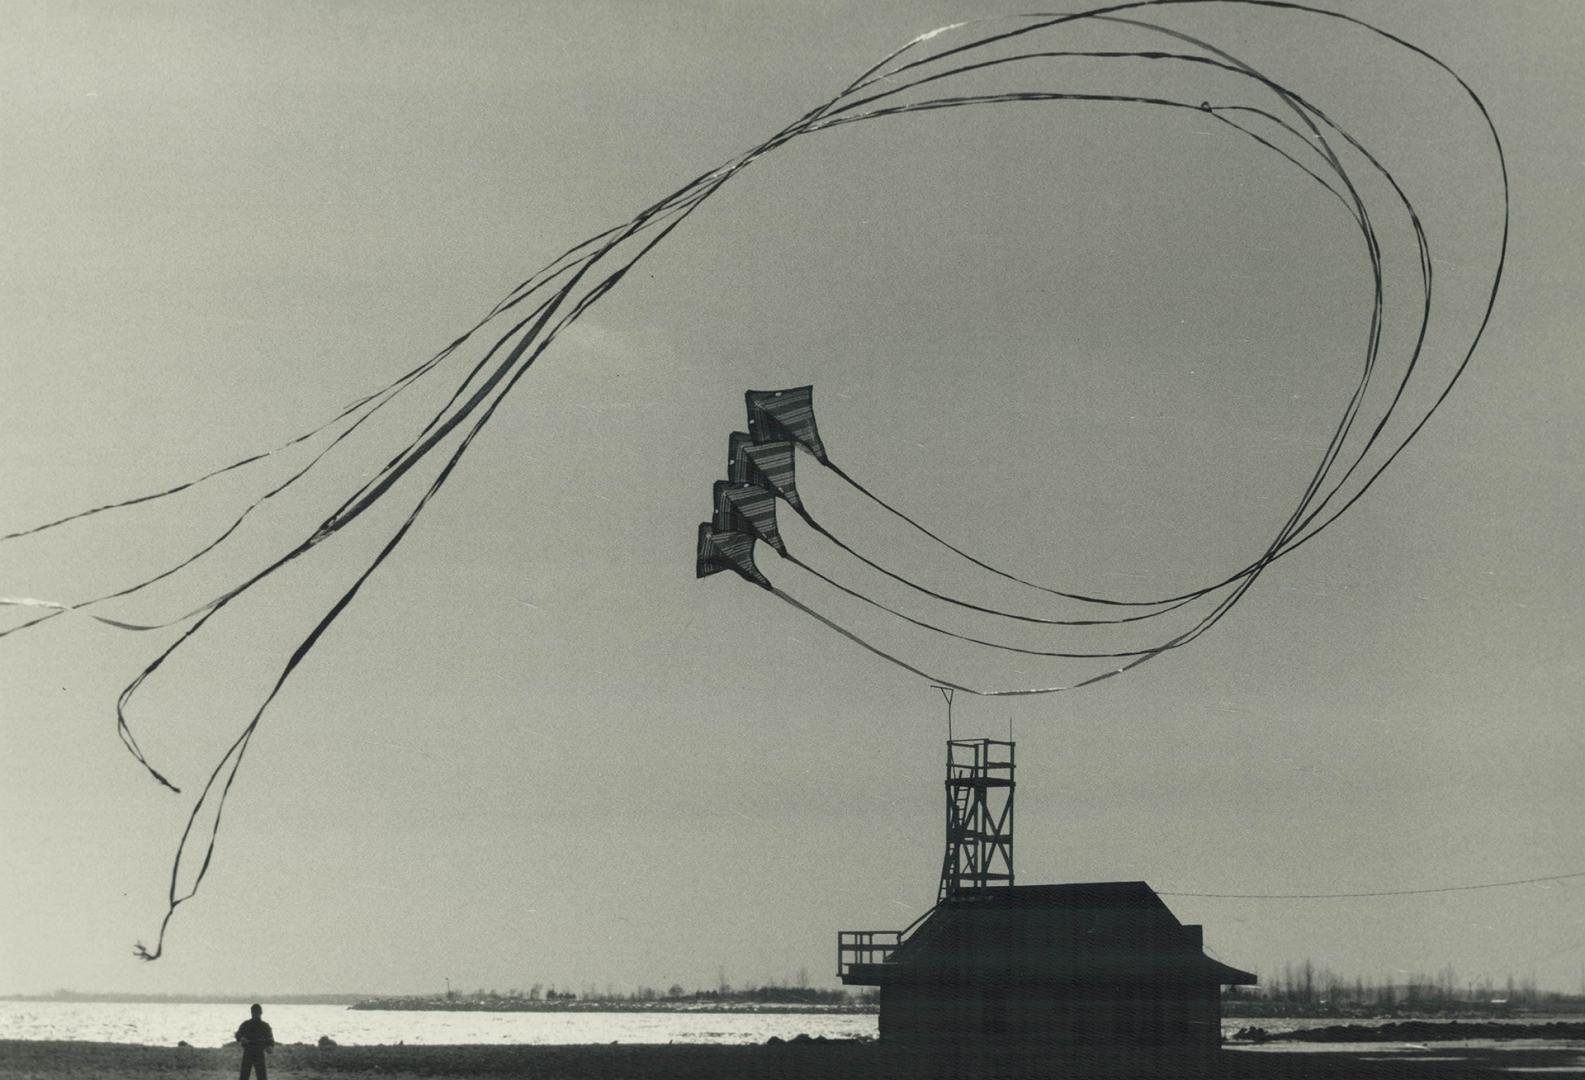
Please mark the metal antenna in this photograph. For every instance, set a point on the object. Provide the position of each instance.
(946, 692)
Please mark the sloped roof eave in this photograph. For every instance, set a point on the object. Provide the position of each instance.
(934, 946)
(1227, 975)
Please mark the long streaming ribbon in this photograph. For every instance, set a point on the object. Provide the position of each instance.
(943, 70)
(778, 420)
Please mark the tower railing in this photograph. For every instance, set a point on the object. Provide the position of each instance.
(856, 947)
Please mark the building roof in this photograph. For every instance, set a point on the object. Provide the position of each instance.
(1101, 931)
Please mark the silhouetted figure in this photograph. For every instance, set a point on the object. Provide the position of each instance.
(256, 1039)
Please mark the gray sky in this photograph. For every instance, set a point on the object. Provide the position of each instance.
(1103, 347)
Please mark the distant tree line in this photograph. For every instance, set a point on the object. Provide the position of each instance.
(793, 993)
(1306, 988)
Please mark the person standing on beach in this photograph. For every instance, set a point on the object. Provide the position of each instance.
(256, 1039)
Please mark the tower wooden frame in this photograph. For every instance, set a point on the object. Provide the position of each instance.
(979, 788)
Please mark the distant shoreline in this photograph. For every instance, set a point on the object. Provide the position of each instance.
(364, 1002)
(1421, 1031)
(687, 1006)
(73, 998)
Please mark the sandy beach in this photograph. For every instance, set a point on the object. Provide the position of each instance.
(814, 1060)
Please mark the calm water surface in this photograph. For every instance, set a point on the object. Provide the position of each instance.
(212, 1025)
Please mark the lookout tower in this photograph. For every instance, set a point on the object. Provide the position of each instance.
(1000, 978)
(980, 787)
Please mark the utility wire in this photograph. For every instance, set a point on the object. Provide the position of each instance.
(1387, 892)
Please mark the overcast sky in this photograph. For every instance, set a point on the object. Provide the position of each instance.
(1102, 347)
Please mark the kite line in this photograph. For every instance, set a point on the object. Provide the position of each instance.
(935, 72)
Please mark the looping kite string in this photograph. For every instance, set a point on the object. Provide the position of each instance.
(781, 421)
(946, 69)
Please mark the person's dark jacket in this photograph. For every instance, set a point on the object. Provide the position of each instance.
(255, 1036)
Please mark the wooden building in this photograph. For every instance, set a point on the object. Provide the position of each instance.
(1044, 971)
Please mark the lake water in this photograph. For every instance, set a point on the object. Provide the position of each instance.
(212, 1025)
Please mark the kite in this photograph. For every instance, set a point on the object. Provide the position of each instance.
(1005, 62)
